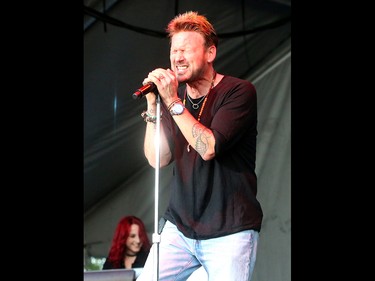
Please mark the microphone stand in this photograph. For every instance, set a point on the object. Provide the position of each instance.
(144, 90)
(156, 235)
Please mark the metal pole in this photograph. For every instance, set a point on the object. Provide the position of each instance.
(156, 235)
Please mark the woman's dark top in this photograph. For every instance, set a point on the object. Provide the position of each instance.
(139, 262)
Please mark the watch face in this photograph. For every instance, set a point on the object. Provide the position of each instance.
(177, 109)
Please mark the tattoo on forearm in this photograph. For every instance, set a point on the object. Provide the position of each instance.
(201, 135)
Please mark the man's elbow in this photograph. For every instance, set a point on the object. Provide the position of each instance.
(208, 155)
(164, 161)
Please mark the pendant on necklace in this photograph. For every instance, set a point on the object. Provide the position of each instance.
(195, 105)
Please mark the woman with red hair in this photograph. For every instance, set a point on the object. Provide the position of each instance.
(130, 245)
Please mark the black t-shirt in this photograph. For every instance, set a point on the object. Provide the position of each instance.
(217, 197)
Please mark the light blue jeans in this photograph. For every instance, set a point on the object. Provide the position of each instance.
(228, 258)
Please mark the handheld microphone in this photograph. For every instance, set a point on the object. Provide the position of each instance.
(144, 90)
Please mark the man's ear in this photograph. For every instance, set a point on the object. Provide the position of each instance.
(211, 53)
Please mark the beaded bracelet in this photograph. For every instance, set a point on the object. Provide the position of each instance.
(147, 117)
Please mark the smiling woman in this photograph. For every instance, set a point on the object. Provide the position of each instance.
(130, 245)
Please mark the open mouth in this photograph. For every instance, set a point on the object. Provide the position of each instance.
(181, 69)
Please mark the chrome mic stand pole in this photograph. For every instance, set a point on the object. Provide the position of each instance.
(156, 235)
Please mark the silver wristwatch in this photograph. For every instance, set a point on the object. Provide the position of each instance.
(177, 109)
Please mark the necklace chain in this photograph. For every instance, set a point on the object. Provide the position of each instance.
(204, 98)
(196, 105)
